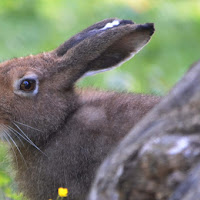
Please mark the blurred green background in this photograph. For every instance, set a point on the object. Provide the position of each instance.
(33, 26)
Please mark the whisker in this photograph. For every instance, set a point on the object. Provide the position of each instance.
(2, 138)
(15, 133)
(1, 135)
(10, 145)
(15, 146)
(28, 126)
(29, 140)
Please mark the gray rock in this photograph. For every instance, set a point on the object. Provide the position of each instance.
(159, 159)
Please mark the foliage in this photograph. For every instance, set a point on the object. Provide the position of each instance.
(29, 27)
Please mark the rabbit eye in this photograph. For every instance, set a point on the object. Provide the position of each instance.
(28, 85)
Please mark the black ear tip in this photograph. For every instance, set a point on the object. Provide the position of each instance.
(148, 26)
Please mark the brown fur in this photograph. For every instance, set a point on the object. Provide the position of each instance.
(77, 128)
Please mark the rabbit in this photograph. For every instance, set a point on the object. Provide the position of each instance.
(60, 134)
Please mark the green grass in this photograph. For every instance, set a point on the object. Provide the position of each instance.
(29, 27)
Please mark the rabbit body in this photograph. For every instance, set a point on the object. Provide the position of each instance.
(82, 142)
(61, 134)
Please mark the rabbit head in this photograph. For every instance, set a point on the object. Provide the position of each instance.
(38, 91)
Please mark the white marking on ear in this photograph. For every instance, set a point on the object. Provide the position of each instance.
(91, 73)
(110, 25)
(17, 83)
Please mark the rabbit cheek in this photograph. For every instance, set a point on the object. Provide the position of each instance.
(4, 114)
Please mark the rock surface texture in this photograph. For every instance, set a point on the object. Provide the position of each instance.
(160, 158)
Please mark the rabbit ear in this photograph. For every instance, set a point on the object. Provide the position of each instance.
(122, 49)
(101, 47)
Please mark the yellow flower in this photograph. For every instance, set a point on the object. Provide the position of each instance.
(62, 192)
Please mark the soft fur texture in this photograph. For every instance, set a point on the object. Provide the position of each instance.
(76, 129)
